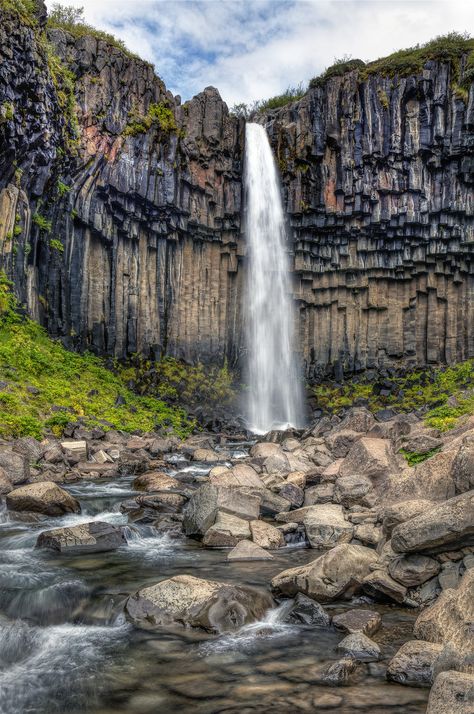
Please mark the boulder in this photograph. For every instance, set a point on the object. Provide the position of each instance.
(449, 525)
(381, 586)
(352, 621)
(336, 574)
(43, 497)
(452, 692)
(5, 484)
(359, 647)
(413, 570)
(369, 457)
(226, 531)
(240, 475)
(397, 513)
(271, 503)
(449, 619)
(449, 575)
(94, 537)
(209, 456)
(322, 493)
(421, 443)
(368, 534)
(266, 536)
(155, 481)
(326, 526)
(16, 466)
(350, 490)
(358, 419)
(340, 442)
(212, 605)
(246, 550)
(430, 480)
(201, 510)
(414, 663)
(307, 611)
(264, 449)
(78, 448)
(463, 466)
(296, 516)
(292, 493)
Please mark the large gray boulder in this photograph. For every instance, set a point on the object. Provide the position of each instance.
(266, 536)
(326, 526)
(94, 537)
(452, 693)
(413, 570)
(446, 526)
(208, 604)
(201, 511)
(16, 466)
(414, 663)
(227, 531)
(43, 497)
(397, 513)
(336, 574)
(352, 489)
(369, 457)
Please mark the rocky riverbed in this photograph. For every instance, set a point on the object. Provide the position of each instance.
(301, 572)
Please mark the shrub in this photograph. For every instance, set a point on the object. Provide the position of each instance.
(56, 244)
(158, 115)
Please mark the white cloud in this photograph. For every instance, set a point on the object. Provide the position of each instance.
(252, 49)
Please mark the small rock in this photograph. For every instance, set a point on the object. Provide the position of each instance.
(266, 535)
(450, 575)
(368, 534)
(307, 611)
(359, 647)
(327, 701)
(352, 621)
(94, 537)
(351, 490)
(246, 550)
(227, 531)
(76, 448)
(322, 493)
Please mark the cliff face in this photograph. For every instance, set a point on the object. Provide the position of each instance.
(378, 179)
(127, 237)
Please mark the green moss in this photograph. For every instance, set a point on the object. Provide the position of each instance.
(383, 99)
(7, 112)
(64, 82)
(340, 67)
(62, 188)
(159, 116)
(413, 458)
(42, 223)
(24, 9)
(56, 244)
(72, 20)
(420, 389)
(71, 385)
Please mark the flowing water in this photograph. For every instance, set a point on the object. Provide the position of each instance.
(275, 394)
(65, 645)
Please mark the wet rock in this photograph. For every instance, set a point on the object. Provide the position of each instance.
(452, 692)
(247, 550)
(365, 621)
(414, 663)
(226, 531)
(201, 510)
(209, 456)
(266, 536)
(449, 524)
(94, 537)
(155, 481)
(359, 647)
(326, 526)
(397, 513)
(212, 605)
(43, 497)
(264, 450)
(380, 585)
(133, 463)
(327, 701)
(16, 466)
(336, 574)
(350, 490)
(413, 570)
(307, 611)
(341, 673)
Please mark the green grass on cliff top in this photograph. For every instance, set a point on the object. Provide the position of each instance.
(403, 63)
(48, 386)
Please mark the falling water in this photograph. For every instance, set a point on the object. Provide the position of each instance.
(275, 399)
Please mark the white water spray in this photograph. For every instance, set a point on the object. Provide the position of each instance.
(275, 395)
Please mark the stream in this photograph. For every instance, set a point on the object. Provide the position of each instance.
(65, 645)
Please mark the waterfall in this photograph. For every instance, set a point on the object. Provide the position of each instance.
(274, 391)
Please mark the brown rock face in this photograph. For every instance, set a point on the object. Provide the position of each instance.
(377, 194)
(43, 497)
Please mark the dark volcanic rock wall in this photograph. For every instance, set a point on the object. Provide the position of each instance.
(142, 247)
(378, 179)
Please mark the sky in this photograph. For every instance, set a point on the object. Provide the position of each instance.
(255, 49)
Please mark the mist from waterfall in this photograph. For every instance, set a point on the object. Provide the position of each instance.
(274, 390)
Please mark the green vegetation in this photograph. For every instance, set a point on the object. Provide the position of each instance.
(62, 188)
(42, 222)
(447, 393)
(66, 386)
(72, 20)
(340, 67)
(176, 381)
(292, 94)
(7, 112)
(64, 83)
(158, 115)
(56, 244)
(24, 9)
(413, 457)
